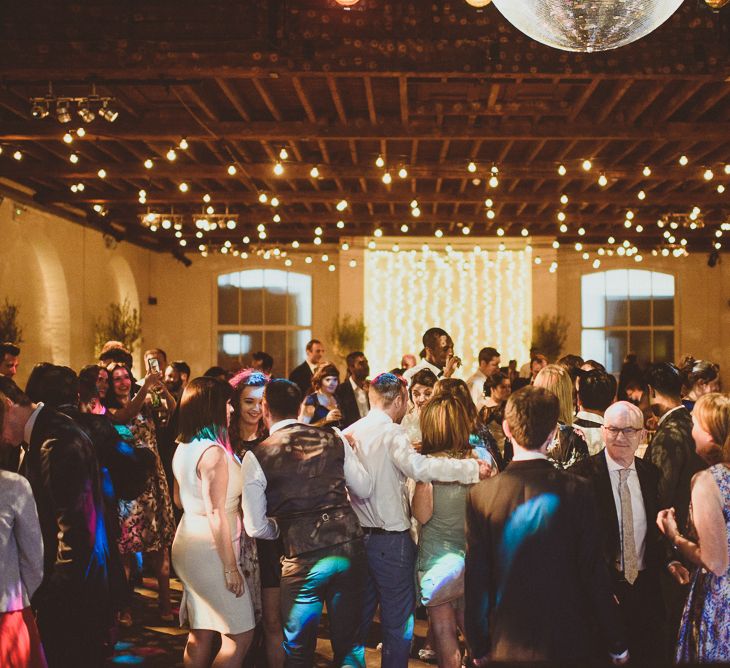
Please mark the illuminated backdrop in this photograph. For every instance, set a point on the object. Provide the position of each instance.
(480, 297)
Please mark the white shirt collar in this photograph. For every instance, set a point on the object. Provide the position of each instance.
(28, 431)
(281, 424)
(592, 417)
(615, 466)
(355, 386)
(668, 413)
(378, 415)
(522, 455)
(311, 366)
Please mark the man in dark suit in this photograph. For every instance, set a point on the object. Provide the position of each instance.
(672, 451)
(302, 375)
(536, 584)
(73, 602)
(352, 395)
(626, 489)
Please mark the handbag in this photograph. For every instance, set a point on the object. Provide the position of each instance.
(443, 581)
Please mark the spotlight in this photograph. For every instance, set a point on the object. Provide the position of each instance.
(108, 114)
(39, 109)
(87, 115)
(63, 111)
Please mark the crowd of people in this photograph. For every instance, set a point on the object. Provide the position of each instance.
(550, 512)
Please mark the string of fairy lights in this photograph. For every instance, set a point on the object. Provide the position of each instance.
(195, 230)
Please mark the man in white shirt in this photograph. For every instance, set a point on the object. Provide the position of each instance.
(295, 484)
(596, 392)
(626, 491)
(489, 360)
(384, 446)
(439, 358)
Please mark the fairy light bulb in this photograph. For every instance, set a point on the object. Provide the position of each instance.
(587, 165)
(708, 175)
(171, 155)
(278, 169)
(184, 187)
(641, 195)
(404, 228)
(416, 212)
(493, 182)
(74, 158)
(263, 198)
(683, 160)
(148, 164)
(232, 170)
(341, 205)
(403, 173)
(274, 202)
(563, 228)
(500, 232)
(471, 167)
(283, 154)
(68, 138)
(387, 178)
(646, 171)
(314, 173)
(562, 170)
(563, 199)
(491, 214)
(602, 181)
(438, 233)
(101, 173)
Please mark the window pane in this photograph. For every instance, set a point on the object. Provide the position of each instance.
(252, 306)
(640, 312)
(300, 300)
(593, 345)
(639, 283)
(662, 285)
(663, 311)
(296, 348)
(616, 312)
(275, 345)
(234, 350)
(617, 293)
(640, 344)
(228, 288)
(663, 346)
(615, 351)
(276, 297)
(593, 300)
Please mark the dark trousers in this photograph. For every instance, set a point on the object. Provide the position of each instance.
(335, 576)
(642, 610)
(390, 582)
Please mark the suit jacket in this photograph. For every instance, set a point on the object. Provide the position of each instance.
(347, 402)
(595, 469)
(63, 472)
(672, 451)
(536, 584)
(302, 376)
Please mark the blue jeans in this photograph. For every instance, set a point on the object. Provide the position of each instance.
(335, 576)
(390, 582)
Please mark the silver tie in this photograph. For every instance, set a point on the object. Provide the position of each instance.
(631, 562)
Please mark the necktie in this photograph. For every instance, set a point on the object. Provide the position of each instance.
(631, 563)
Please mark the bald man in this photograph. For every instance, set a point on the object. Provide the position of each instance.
(626, 490)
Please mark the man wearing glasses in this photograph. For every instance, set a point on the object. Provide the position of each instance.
(627, 498)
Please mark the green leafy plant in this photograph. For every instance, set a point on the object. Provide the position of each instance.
(347, 335)
(10, 329)
(549, 334)
(121, 323)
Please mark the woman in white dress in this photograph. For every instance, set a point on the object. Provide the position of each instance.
(206, 551)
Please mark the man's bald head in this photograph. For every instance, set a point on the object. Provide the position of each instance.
(624, 414)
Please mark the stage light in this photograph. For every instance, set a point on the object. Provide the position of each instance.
(108, 114)
(84, 110)
(39, 109)
(63, 111)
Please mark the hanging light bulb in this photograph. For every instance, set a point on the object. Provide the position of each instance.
(232, 170)
(646, 171)
(379, 162)
(183, 187)
(683, 160)
(171, 155)
(563, 199)
(340, 224)
(562, 171)
(493, 182)
(314, 172)
(278, 169)
(148, 164)
(415, 212)
(641, 195)
(404, 228)
(101, 173)
(341, 205)
(587, 165)
(708, 175)
(471, 167)
(602, 181)
(283, 154)
(387, 178)
(73, 158)
(68, 138)
(183, 144)
(403, 173)
(274, 202)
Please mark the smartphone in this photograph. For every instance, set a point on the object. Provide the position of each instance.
(154, 364)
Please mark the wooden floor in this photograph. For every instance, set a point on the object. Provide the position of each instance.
(154, 644)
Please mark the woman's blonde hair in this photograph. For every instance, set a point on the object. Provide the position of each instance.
(556, 379)
(445, 427)
(712, 411)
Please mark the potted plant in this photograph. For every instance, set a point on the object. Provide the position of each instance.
(347, 335)
(121, 323)
(10, 329)
(549, 334)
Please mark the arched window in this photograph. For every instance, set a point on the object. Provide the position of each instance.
(627, 311)
(264, 309)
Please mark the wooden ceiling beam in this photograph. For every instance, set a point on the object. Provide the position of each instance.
(173, 129)
(583, 99)
(644, 103)
(268, 101)
(372, 113)
(622, 87)
(233, 98)
(690, 88)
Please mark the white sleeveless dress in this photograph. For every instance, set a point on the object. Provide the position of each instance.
(206, 603)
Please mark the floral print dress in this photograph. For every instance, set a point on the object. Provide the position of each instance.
(704, 635)
(147, 523)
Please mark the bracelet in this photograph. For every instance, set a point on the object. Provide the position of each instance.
(674, 541)
(227, 571)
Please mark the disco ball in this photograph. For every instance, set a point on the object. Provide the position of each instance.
(586, 25)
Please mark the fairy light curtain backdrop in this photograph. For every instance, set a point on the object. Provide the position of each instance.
(481, 297)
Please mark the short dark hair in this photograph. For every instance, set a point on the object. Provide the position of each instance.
(7, 348)
(494, 381)
(310, 344)
(388, 386)
(267, 361)
(352, 357)
(321, 372)
(53, 385)
(694, 371)
(532, 413)
(424, 377)
(488, 354)
(214, 372)
(283, 398)
(573, 364)
(90, 373)
(116, 355)
(595, 365)
(596, 390)
(203, 406)
(181, 367)
(665, 378)
(431, 337)
(9, 388)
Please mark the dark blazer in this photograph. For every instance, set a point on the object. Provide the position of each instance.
(345, 396)
(672, 451)
(595, 469)
(63, 471)
(536, 585)
(302, 376)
